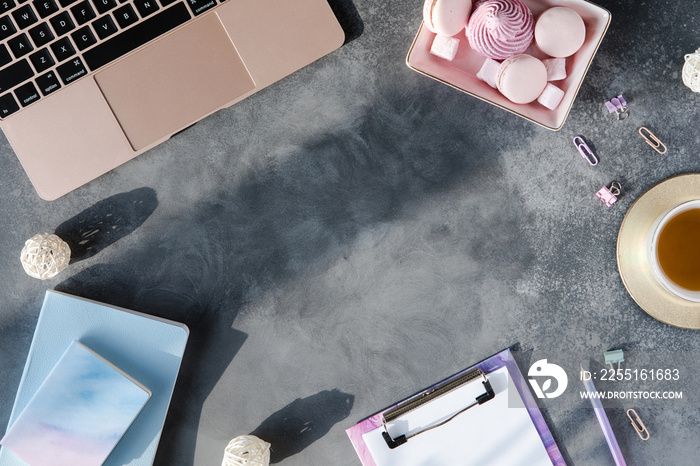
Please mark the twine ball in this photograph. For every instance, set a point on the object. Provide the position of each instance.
(44, 255)
(691, 71)
(247, 450)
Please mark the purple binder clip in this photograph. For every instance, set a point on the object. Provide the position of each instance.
(618, 106)
(609, 194)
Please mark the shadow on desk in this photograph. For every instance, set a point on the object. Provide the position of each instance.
(348, 17)
(107, 222)
(224, 252)
(303, 421)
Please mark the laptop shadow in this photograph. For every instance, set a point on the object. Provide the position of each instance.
(348, 18)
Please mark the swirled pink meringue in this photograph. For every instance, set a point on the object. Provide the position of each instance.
(499, 29)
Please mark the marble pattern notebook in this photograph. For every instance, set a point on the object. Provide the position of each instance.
(78, 414)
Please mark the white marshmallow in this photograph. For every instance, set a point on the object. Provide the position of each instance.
(489, 72)
(445, 47)
(551, 96)
(556, 68)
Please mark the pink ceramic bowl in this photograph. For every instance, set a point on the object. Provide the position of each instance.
(461, 72)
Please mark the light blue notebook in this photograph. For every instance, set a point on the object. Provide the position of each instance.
(147, 348)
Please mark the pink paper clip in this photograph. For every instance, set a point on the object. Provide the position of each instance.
(609, 195)
(585, 151)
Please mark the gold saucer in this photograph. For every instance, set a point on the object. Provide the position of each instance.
(632, 258)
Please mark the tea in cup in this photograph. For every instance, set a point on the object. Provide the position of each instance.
(673, 250)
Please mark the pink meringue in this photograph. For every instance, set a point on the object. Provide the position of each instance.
(499, 29)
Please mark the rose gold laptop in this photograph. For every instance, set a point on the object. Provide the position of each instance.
(86, 85)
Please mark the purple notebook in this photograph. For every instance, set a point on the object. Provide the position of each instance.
(509, 429)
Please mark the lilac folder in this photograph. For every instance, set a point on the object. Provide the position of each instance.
(501, 360)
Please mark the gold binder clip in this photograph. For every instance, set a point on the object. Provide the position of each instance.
(638, 424)
(652, 140)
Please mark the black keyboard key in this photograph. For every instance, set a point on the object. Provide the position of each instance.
(166, 2)
(7, 5)
(63, 49)
(65, 3)
(5, 57)
(20, 45)
(24, 17)
(48, 83)
(71, 71)
(83, 12)
(41, 60)
(15, 74)
(126, 16)
(26, 94)
(7, 27)
(41, 34)
(45, 8)
(104, 27)
(8, 105)
(140, 34)
(146, 7)
(62, 23)
(200, 6)
(104, 6)
(83, 38)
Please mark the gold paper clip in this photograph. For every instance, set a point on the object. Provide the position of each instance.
(638, 424)
(652, 140)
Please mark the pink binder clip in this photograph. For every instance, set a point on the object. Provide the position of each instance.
(609, 194)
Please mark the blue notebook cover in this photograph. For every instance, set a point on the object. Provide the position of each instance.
(147, 348)
(78, 414)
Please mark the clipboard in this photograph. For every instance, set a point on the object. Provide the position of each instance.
(483, 415)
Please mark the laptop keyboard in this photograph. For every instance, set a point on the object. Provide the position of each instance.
(48, 44)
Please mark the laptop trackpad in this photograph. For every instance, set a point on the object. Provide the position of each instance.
(175, 81)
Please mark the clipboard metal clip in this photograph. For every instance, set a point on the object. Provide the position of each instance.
(429, 395)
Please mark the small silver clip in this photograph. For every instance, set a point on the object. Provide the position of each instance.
(585, 151)
(652, 140)
(615, 188)
(638, 425)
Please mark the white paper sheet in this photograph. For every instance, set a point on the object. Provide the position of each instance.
(499, 432)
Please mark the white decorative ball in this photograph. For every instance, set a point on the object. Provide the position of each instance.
(44, 255)
(691, 71)
(247, 450)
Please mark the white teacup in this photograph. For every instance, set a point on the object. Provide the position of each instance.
(652, 251)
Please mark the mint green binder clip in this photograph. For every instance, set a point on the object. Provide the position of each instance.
(614, 356)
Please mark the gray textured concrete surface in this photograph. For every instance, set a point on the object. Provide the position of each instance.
(357, 231)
